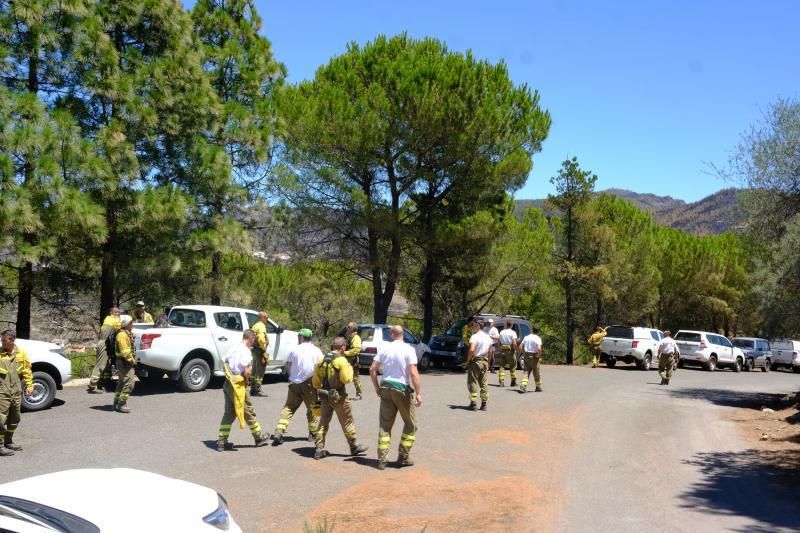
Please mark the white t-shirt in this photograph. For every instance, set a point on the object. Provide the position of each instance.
(532, 343)
(238, 359)
(303, 358)
(507, 337)
(395, 357)
(483, 343)
(667, 346)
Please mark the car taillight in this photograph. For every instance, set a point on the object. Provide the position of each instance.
(634, 344)
(794, 355)
(147, 340)
(371, 350)
(703, 344)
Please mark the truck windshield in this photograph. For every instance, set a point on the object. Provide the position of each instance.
(187, 318)
(743, 343)
(690, 337)
(455, 329)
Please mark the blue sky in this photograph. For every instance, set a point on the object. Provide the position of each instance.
(645, 93)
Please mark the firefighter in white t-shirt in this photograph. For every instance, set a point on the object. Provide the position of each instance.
(506, 355)
(477, 364)
(531, 348)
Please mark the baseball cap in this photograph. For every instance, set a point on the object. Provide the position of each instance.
(305, 332)
(125, 320)
(140, 304)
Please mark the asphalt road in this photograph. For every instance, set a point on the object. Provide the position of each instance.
(598, 450)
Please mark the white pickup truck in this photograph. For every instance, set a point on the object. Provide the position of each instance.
(189, 349)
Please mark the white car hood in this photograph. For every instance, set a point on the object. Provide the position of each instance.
(122, 499)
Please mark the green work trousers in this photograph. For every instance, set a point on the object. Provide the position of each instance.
(300, 393)
(257, 371)
(356, 380)
(100, 371)
(476, 380)
(345, 415)
(531, 361)
(505, 358)
(666, 363)
(10, 405)
(230, 413)
(127, 379)
(393, 402)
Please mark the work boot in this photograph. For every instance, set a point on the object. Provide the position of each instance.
(312, 437)
(277, 438)
(513, 382)
(502, 383)
(404, 461)
(13, 447)
(94, 390)
(358, 450)
(359, 396)
(538, 388)
(123, 408)
(523, 387)
(382, 464)
(261, 440)
(321, 454)
(223, 444)
(5, 453)
(483, 406)
(257, 392)
(473, 406)
(663, 381)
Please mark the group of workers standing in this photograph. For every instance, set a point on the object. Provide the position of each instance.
(488, 346)
(319, 381)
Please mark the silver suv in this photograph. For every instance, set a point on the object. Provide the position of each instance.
(709, 350)
(631, 345)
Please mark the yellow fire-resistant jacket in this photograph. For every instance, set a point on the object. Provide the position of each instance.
(596, 338)
(340, 373)
(146, 318)
(262, 340)
(110, 326)
(353, 346)
(15, 369)
(125, 346)
(466, 333)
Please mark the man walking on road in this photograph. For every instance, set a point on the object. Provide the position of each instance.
(260, 355)
(667, 353)
(238, 363)
(352, 351)
(126, 361)
(531, 348)
(104, 349)
(490, 330)
(477, 364)
(301, 362)
(330, 377)
(400, 392)
(15, 376)
(594, 344)
(507, 354)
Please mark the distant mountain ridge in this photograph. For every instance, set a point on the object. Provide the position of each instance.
(712, 215)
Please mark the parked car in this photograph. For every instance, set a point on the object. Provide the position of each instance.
(72, 501)
(631, 345)
(449, 349)
(786, 354)
(51, 369)
(373, 335)
(190, 348)
(757, 353)
(709, 350)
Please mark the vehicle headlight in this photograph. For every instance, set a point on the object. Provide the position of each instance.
(460, 344)
(220, 518)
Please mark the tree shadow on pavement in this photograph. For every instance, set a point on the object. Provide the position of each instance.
(730, 398)
(758, 484)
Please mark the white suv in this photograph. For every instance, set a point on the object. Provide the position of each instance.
(631, 345)
(708, 350)
(786, 353)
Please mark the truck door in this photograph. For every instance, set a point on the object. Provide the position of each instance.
(227, 330)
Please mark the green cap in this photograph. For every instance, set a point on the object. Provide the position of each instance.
(305, 332)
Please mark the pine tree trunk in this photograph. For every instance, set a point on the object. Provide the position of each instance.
(570, 321)
(107, 278)
(429, 275)
(25, 296)
(216, 277)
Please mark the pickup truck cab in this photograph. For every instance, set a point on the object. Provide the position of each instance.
(190, 348)
(708, 350)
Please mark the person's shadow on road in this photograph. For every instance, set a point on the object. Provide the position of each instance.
(109, 408)
(459, 407)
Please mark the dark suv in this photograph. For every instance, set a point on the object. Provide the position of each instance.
(449, 349)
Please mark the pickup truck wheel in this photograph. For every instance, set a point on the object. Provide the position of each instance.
(424, 362)
(44, 392)
(611, 362)
(796, 369)
(748, 366)
(680, 363)
(195, 375)
(712, 363)
(737, 366)
(646, 362)
(767, 365)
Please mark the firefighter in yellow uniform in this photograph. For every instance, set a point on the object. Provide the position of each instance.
(594, 344)
(351, 352)
(260, 355)
(141, 316)
(104, 350)
(126, 361)
(330, 377)
(15, 370)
